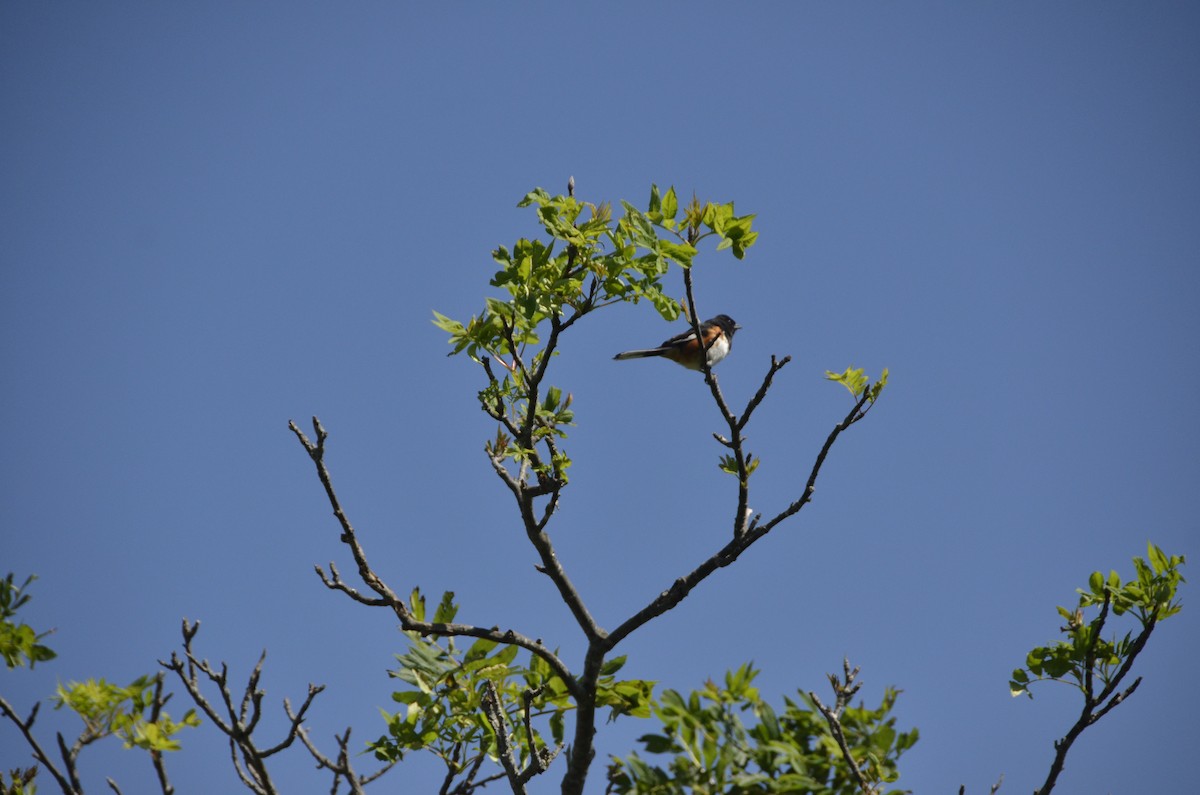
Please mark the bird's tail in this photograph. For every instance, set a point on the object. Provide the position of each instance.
(641, 354)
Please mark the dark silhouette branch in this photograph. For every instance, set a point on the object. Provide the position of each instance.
(735, 547)
(70, 757)
(26, 728)
(386, 596)
(582, 751)
(857, 413)
(156, 757)
(735, 441)
(341, 767)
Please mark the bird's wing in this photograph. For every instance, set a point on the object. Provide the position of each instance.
(679, 338)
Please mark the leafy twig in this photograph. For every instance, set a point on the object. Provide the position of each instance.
(1094, 706)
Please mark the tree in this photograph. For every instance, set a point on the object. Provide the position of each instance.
(468, 704)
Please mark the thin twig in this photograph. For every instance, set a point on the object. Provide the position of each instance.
(843, 690)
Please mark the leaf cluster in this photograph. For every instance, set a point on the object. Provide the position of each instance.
(1084, 655)
(855, 379)
(108, 709)
(20, 782)
(713, 750)
(589, 261)
(19, 643)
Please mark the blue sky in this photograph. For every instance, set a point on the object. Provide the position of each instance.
(219, 217)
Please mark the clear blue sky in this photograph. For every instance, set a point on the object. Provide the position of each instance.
(217, 217)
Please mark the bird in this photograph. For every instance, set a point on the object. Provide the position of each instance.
(684, 349)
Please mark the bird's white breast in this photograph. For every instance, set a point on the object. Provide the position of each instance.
(718, 351)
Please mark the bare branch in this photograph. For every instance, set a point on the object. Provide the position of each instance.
(776, 366)
(317, 453)
(388, 597)
(539, 758)
(843, 690)
(26, 729)
(69, 757)
(237, 722)
(341, 768)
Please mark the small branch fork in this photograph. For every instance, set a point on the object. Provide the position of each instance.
(237, 721)
(68, 782)
(386, 597)
(1094, 706)
(238, 718)
(539, 758)
(341, 767)
(844, 690)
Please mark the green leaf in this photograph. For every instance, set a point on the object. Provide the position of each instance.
(610, 667)
(670, 205)
(416, 604)
(558, 726)
(655, 205)
(681, 253)
(853, 379)
(446, 609)
(19, 642)
(479, 649)
(878, 387)
(447, 324)
(1157, 559)
(506, 655)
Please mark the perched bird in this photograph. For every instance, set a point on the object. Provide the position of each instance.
(717, 336)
